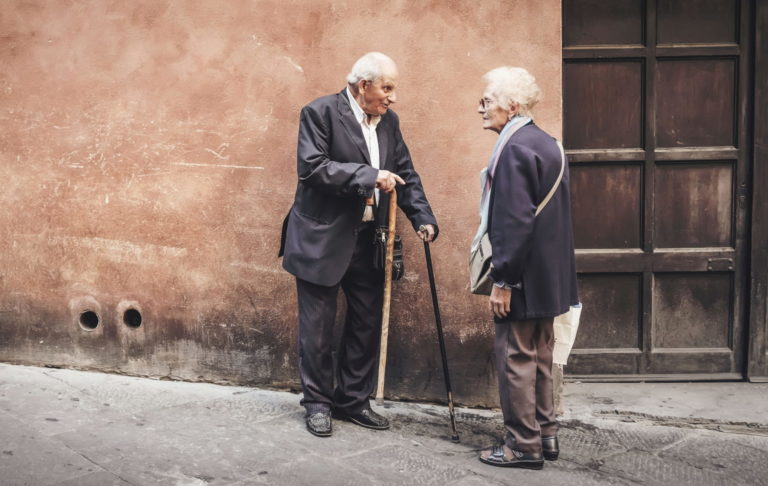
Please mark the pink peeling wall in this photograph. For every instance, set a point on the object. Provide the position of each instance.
(147, 153)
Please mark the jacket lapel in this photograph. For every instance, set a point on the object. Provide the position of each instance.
(351, 125)
(382, 134)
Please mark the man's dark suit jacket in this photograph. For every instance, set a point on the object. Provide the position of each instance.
(535, 250)
(335, 178)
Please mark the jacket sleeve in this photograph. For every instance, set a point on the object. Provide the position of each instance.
(315, 167)
(512, 212)
(411, 197)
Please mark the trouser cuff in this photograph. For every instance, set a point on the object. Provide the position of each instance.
(315, 407)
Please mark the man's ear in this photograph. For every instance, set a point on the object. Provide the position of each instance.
(362, 85)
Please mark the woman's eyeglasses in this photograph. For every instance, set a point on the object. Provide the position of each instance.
(486, 103)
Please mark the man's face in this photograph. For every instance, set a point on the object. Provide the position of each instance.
(379, 94)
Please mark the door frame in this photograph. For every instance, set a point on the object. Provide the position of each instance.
(757, 352)
(752, 312)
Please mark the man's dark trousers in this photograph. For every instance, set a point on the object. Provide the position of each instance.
(359, 346)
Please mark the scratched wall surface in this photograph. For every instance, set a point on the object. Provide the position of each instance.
(147, 156)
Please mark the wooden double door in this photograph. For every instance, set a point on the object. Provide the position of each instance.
(656, 125)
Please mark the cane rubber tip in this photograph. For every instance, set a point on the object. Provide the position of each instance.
(455, 439)
(380, 402)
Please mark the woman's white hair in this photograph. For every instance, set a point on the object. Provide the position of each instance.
(513, 85)
(370, 67)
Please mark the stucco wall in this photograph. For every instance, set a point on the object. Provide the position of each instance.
(147, 152)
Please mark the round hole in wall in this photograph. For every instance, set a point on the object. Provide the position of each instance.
(89, 320)
(132, 318)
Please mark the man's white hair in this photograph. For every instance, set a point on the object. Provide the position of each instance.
(513, 85)
(370, 67)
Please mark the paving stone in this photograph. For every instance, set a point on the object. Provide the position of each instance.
(407, 463)
(62, 410)
(131, 394)
(30, 458)
(93, 429)
(729, 456)
(314, 469)
(586, 445)
(554, 472)
(161, 452)
(650, 469)
(102, 478)
(476, 480)
(641, 437)
(242, 408)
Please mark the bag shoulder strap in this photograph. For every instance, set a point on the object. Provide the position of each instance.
(557, 182)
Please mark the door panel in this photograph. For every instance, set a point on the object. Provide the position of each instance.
(596, 22)
(693, 205)
(616, 186)
(616, 324)
(692, 310)
(697, 21)
(653, 127)
(597, 124)
(695, 102)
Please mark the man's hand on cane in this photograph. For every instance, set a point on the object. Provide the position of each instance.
(386, 180)
(426, 232)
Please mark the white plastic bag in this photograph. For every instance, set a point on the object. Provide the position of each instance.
(566, 326)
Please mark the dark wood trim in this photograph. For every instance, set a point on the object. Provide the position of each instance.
(606, 351)
(757, 369)
(731, 50)
(649, 177)
(743, 140)
(604, 52)
(697, 153)
(636, 260)
(606, 155)
(686, 154)
(663, 51)
(655, 378)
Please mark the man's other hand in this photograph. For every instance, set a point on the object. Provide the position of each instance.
(426, 232)
(386, 180)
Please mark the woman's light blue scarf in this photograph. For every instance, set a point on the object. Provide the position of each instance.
(486, 175)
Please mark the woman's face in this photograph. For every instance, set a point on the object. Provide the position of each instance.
(494, 116)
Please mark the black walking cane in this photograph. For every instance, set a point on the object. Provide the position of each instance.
(441, 339)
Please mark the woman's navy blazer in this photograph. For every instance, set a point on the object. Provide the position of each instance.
(535, 251)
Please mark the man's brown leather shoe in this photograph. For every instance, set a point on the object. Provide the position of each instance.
(550, 448)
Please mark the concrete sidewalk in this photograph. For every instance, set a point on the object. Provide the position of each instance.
(66, 427)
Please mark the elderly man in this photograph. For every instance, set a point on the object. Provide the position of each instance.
(351, 155)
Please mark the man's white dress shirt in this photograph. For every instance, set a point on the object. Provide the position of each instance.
(371, 141)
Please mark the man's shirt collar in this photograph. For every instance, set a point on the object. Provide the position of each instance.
(360, 115)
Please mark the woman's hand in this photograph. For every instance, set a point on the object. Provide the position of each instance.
(500, 301)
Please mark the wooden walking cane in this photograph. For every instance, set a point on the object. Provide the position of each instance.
(387, 296)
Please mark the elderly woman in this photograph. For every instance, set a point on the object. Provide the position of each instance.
(526, 212)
